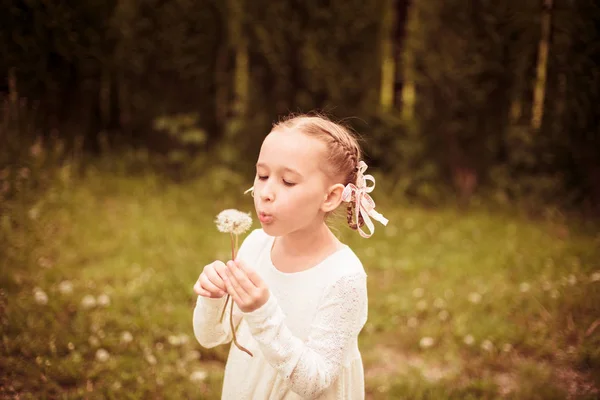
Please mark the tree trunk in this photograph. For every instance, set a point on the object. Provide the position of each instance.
(238, 38)
(408, 66)
(537, 111)
(388, 62)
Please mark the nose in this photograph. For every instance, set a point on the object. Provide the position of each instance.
(266, 192)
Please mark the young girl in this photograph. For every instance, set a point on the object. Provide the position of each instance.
(300, 294)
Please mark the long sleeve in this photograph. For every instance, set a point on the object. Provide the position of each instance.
(311, 367)
(208, 330)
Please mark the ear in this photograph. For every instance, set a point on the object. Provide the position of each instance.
(333, 198)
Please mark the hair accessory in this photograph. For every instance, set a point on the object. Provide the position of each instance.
(364, 204)
(251, 190)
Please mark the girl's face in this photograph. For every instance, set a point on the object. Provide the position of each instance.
(290, 188)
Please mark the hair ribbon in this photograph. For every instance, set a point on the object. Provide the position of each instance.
(364, 204)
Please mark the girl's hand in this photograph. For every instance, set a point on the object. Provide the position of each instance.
(244, 285)
(210, 282)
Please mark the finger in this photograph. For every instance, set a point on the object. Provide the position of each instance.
(242, 278)
(207, 285)
(251, 274)
(232, 292)
(239, 280)
(214, 278)
(201, 292)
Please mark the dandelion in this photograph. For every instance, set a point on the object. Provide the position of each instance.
(412, 322)
(595, 277)
(71, 346)
(103, 300)
(40, 296)
(126, 337)
(198, 376)
(418, 292)
(487, 345)
(439, 303)
(469, 340)
(151, 359)
(443, 315)
(422, 305)
(65, 287)
(102, 355)
(426, 342)
(94, 341)
(88, 302)
(474, 297)
(235, 223)
(524, 287)
(178, 340)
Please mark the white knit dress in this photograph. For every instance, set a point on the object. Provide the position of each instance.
(304, 339)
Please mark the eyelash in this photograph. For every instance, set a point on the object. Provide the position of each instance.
(286, 183)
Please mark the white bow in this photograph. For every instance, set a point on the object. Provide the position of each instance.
(364, 204)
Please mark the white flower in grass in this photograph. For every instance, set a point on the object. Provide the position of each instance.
(474, 297)
(126, 337)
(426, 342)
(103, 300)
(151, 359)
(418, 292)
(443, 315)
(595, 277)
(65, 287)
(422, 305)
(102, 355)
(88, 302)
(439, 303)
(524, 287)
(412, 322)
(487, 345)
(469, 340)
(192, 355)
(94, 341)
(40, 296)
(233, 221)
(198, 376)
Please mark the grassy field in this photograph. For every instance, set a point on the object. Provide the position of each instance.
(96, 295)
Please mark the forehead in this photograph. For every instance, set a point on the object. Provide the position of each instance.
(290, 148)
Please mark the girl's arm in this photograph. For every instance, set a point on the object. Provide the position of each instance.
(208, 330)
(311, 367)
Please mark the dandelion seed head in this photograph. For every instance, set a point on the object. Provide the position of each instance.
(469, 340)
(474, 297)
(426, 342)
(233, 221)
(103, 300)
(65, 287)
(40, 296)
(102, 355)
(126, 337)
(487, 345)
(595, 277)
(198, 376)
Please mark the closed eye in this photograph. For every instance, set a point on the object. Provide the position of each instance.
(286, 183)
(262, 178)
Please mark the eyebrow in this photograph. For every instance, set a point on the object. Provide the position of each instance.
(286, 169)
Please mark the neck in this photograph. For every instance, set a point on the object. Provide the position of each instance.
(307, 240)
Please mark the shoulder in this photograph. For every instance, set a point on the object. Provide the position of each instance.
(345, 265)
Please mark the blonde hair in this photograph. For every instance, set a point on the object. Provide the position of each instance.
(343, 150)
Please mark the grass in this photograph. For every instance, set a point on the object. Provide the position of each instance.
(96, 295)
